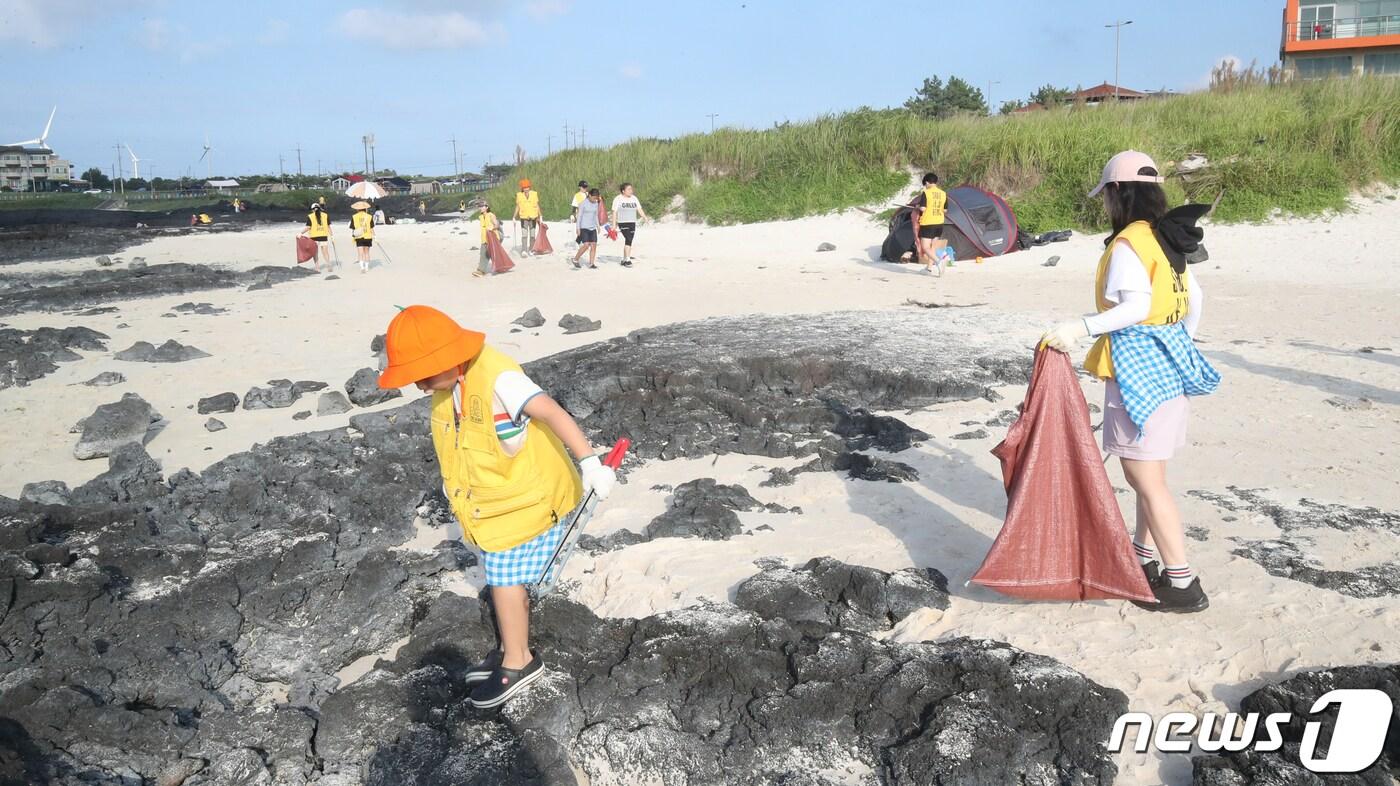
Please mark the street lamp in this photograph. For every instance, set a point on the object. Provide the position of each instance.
(1117, 28)
(989, 95)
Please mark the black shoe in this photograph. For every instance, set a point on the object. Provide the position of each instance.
(1153, 572)
(627, 263)
(504, 684)
(483, 669)
(1184, 600)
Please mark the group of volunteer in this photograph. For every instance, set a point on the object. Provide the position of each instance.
(515, 465)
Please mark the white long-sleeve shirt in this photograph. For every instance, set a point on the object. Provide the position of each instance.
(1128, 286)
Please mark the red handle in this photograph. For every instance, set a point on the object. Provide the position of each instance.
(615, 455)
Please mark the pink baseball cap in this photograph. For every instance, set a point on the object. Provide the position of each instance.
(1124, 167)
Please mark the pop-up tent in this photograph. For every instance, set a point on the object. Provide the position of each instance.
(977, 223)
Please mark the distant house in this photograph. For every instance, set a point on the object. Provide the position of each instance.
(1034, 106)
(221, 185)
(1105, 92)
(1326, 38)
(341, 183)
(272, 188)
(425, 187)
(395, 185)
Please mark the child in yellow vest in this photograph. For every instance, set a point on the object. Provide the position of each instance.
(527, 212)
(504, 449)
(932, 201)
(489, 224)
(1149, 305)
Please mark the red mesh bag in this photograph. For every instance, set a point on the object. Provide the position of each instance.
(542, 245)
(500, 260)
(1064, 537)
(306, 249)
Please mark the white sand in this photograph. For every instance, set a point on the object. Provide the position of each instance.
(1288, 305)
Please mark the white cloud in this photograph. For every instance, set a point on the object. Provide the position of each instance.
(544, 9)
(277, 31)
(154, 34)
(631, 71)
(410, 30)
(43, 24)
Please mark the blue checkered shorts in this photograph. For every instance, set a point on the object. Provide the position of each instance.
(524, 563)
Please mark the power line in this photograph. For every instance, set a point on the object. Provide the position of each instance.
(712, 117)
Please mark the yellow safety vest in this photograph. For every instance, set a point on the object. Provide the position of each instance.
(1170, 299)
(501, 501)
(363, 222)
(320, 224)
(528, 205)
(935, 200)
(488, 223)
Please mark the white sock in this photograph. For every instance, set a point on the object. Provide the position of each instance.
(1180, 576)
(1145, 554)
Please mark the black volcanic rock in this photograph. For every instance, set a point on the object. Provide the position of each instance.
(332, 402)
(59, 291)
(223, 402)
(363, 389)
(830, 594)
(279, 393)
(112, 425)
(1296, 696)
(27, 355)
(105, 379)
(171, 351)
(577, 323)
(703, 509)
(1288, 555)
(530, 319)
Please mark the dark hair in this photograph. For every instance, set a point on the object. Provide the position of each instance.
(930, 179)
(623, 187)
(594, 192)
(1133, 201)
(583, 184)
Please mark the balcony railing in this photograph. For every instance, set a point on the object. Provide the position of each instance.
(1330, 29)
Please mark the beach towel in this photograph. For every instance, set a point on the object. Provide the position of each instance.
(542, 245)
(306, 249)
(1063, 538)
(500, 260)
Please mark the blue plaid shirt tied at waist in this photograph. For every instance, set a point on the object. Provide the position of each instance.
(1153, 364)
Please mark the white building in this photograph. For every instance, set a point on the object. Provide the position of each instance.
(32, 169)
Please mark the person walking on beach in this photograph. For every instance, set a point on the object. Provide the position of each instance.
(422, 208)
(527, 212)
(318, 228)
(462, 207)
(933, 202)
(506, 452)
(626, 210)
(1149, 306)
(579, 199)
(362, 230)
(489, 224)
(588, 229)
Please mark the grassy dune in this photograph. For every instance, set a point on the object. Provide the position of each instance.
(1300, 148)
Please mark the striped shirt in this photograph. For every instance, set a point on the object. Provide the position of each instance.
(513, 391)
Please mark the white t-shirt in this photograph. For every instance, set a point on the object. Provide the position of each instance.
(625, 208)
(1128, 285)
(513, 391)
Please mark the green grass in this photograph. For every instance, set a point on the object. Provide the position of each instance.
(1301, 148)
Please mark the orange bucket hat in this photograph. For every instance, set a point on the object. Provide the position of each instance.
(422, 342)
(525, 183)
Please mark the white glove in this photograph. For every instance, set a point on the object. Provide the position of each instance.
(597, 477)
(1065, 335)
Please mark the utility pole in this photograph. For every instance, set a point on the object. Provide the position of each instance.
(121, 183)
(1117, 28)
(566, 135)
(456, 171)
(365, 141)
(989, 95)
(583, 134)
(281, 170)
(712, 117)
(298, 159)
(549, 145)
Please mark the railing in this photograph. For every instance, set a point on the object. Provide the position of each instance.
(1331, 29)
(241, 192)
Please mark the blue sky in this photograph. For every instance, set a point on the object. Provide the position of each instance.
(263, 77)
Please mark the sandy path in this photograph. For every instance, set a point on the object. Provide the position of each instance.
(1289, 304)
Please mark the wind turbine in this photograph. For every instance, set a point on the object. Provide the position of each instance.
(209, 165)
(135, 163)
(42, 141)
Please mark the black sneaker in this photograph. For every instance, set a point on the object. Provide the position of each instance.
(483, 669)
(627, 263)
(1153, 572)
(1184, 600)
(504, 683)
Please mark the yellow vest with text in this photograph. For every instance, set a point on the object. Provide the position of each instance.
(1169, 291)
(528, 204)
(501, 501)
(488, 223)
(935, 201)
(365, 224)
(320, 224)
